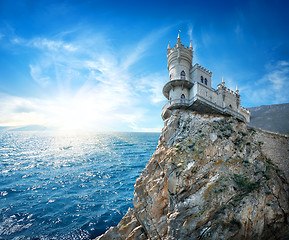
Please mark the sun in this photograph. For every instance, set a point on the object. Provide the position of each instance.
(73, 113)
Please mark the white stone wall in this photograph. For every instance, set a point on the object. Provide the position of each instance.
(219, 101)
(177, 92)
(196, 74)
(231, 100)
(176, 68)
(193, 91)
(245, 113)
(180, 59)
(207, 93)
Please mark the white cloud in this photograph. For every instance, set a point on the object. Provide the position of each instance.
(18, 111)
(94, 86)
(135, 53)
(277, 78)
(153, 85)
(44, 44)
(283, 63)
(192, 38)
(36, 74)
(51, 45)
(190, 32)
(272, 88)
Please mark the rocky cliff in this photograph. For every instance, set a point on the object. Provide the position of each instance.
(211, 177)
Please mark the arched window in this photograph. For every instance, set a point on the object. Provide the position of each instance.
(183, 75)
(183, 98)
(202, 79)
(206, 81)
(170, 76)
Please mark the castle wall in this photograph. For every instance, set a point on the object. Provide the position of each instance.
(245, 113)
(180, 59)
(193, 91)
(177, 92)
(175, 69)
(228, 98)
(230, 101)
(207, 93)
(219, 101)
(196, 73)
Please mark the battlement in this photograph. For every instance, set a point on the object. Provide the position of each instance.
(190, 88)
(204, 70)
(227, 90)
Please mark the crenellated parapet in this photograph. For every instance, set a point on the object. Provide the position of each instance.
(180, 59)
(202, 69)
(223, 88)
(179, 53)
(189, 87)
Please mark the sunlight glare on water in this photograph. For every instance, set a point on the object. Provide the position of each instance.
(59, 186)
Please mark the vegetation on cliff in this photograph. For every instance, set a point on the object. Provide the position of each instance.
(211, 177)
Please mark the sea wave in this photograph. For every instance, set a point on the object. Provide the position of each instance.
(68, 186)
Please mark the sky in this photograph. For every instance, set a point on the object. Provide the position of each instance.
(101, 65)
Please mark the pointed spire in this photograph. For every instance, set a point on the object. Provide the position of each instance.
(179, 39)
(223, 82)
(191, 47)
(237, 90)
(169, 45)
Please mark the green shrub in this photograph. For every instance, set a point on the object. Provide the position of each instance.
(236, 223)
(227, 135)
(244, 184)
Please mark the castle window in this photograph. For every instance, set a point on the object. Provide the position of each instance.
(206, 81)
(183, 98)
(183, 75)
(202, 79)
(170, 76)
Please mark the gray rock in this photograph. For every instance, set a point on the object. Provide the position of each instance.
(212, 177)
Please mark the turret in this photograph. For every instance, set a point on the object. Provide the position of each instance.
(180, 60)
(189, 87)
(177, 90)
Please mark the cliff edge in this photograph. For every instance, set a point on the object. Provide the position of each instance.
(211, 177)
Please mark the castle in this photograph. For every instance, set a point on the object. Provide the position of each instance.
(189, 87)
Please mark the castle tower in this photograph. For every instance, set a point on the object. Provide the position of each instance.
(189, 87)
(180, 59)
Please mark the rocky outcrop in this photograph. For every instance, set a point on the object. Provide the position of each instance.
(211, 177)
(128, 228)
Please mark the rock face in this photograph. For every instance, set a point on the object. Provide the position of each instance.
(211, 178)
(271, 117)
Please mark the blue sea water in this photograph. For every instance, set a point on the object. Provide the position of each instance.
(59, 186)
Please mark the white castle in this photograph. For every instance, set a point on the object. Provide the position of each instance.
(190, 88)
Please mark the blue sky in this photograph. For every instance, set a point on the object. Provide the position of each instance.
(101, 65)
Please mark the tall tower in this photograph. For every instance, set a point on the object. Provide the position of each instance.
(189, 87)
(180, 59)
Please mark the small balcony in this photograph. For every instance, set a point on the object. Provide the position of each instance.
(176, 83)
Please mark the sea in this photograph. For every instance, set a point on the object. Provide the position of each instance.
(68, 186)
